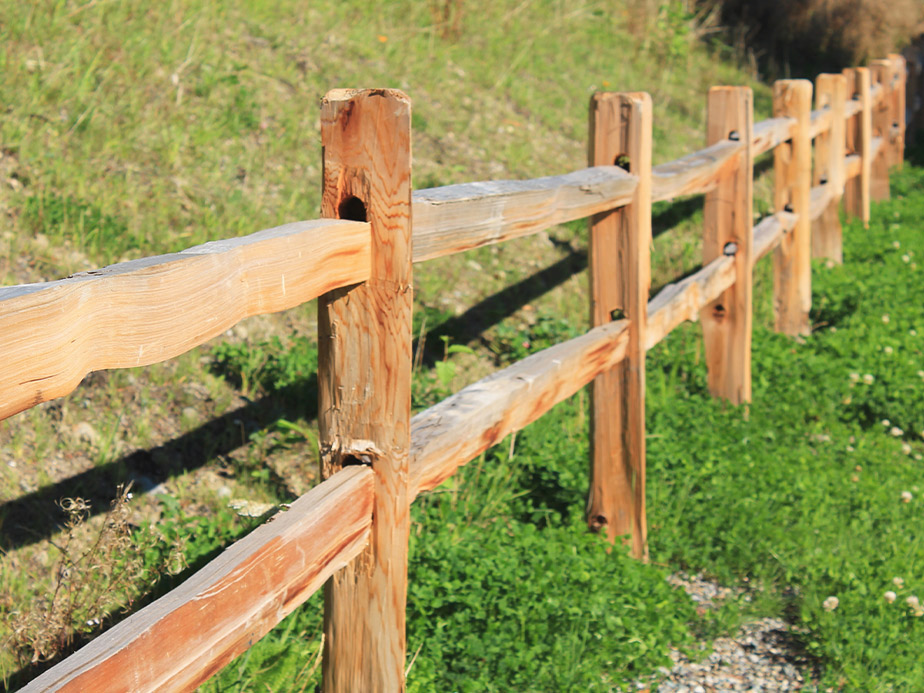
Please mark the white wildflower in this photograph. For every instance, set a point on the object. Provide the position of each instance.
(890, 596)
(886, 318)
(898, 582)
(830, 604)
(896, 432)
(868, 378)
(906, 496)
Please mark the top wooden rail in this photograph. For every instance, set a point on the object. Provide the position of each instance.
(455, 218)
(145, 311)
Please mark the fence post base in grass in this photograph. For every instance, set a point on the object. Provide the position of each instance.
(859, 137)
(364, 378)
(620, 278)
(830, 151)
(727, 230)
(792, 165)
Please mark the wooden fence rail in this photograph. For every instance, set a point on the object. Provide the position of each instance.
(352, 529)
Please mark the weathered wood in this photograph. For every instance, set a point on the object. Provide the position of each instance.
(620, 278)
(727, 230)
(900, 77)
(694, 173)
(853, 105)
(684, 300)
(144, 311)
(883, 118)
(821, 119)
(859, 142)
(820, 198)
(186, 636)
(455, 218)
(449, 434)
(771, 132)
(792, 278)
(852, 165)
(770, 231)
(830, 150)
(364, 381)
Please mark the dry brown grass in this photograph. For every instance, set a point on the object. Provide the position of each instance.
(792, 34)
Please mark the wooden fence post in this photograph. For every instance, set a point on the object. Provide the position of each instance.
(899, 106)
(830, 150)
(728, 220)
(364, 377)
(792, 165)
(859, 141)
(620, 279)
(882, 124)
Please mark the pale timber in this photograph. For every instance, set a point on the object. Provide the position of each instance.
(462, 426)
(882, 119)
(145, 311)
(830, 150)
(852, 165)
(728, 223)
(455, 218)
(821, 196)
(821, 120)
(694, 173)
(770, 231)
(620, 279)
(189, 634)
(770, 133)
(899, 94)
(792, 269)
(682, 301)
(364, 382)
(859, 143)
(853, 106)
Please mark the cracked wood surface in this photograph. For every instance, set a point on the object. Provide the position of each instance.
(144, 311)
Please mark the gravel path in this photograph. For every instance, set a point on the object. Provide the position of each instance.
(762, 655)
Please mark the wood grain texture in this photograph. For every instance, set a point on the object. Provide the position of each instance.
(819, 200)
(770, 231)
(364, 382)
(455, 218)
(792, 269)
(859, 142)
(821, 120)
(144, 311)
(882, 119)
(770, 133)
(189, 634)
(620, 279)
(684, 300)
(694, 173)
(830, 150)
(449, 434)
(852, 165)
(727, 219)
(899, 89)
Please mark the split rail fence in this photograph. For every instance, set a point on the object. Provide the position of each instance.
(350, 533)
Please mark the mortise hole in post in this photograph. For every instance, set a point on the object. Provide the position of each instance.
(734, 136)
(718, 312)
(823, 180)
(353, 461)
(787, 208)
(617, 314)
(598, 522)
(622, 161)
(352, 209)
(856, 96)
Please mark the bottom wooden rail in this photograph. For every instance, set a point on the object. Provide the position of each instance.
(187, 635)
(770, 231)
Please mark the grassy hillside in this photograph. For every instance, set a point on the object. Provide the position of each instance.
(133, 129)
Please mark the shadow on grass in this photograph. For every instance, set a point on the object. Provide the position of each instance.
(28, 519)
